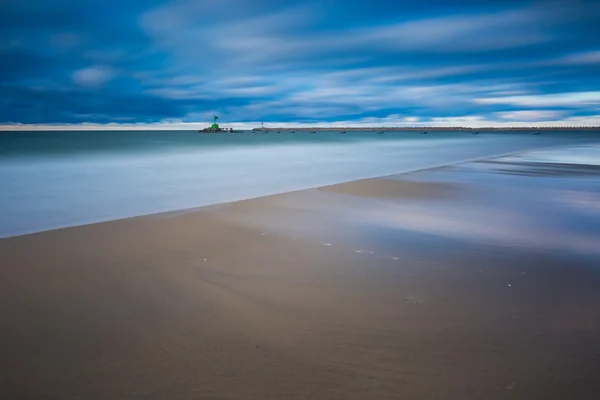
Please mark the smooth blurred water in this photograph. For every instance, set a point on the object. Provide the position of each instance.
(50, 180)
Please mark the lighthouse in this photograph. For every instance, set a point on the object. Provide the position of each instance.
(215, 126)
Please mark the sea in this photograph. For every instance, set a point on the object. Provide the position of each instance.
(57, 179)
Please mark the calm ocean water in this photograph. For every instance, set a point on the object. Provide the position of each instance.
(50, 180)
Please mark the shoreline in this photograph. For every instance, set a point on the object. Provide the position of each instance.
(199, 208)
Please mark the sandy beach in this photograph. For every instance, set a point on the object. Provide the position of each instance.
(453, 283)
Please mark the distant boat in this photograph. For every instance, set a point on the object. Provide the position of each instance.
(344, 131)
(476, 133)
(424, 133)
(537, 133)
(380, 133)
(293, 132)
(314, 132)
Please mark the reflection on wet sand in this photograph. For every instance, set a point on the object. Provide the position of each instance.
(544, 169)
(444, 202)
(392, 188)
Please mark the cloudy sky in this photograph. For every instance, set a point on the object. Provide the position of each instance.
(378, 62)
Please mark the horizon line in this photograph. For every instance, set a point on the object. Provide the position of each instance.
(235, 126)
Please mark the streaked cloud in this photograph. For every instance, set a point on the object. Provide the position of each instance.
(469, 32)
(93, 76)
(531, 115)
(572, 99)
(299, 61)
(588, 57)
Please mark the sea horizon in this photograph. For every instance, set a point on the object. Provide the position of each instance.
(253, 126)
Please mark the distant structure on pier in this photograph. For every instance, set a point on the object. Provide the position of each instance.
(215, 127)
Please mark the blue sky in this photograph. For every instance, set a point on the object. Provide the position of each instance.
(377, 62)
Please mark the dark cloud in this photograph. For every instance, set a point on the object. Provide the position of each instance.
(67, 61)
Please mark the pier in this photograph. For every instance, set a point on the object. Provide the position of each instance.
(345, 129)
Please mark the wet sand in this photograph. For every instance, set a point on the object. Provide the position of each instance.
(406, 287)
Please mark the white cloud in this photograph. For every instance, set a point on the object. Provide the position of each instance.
(251, 91)
(407, 74)
(93, 76)
(572, 99)
(244, 87)
(364, 93)
(509, 29)
(531, 115)
(589, 57)
(178, 94)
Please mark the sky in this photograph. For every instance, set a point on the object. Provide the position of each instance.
(172, 64)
